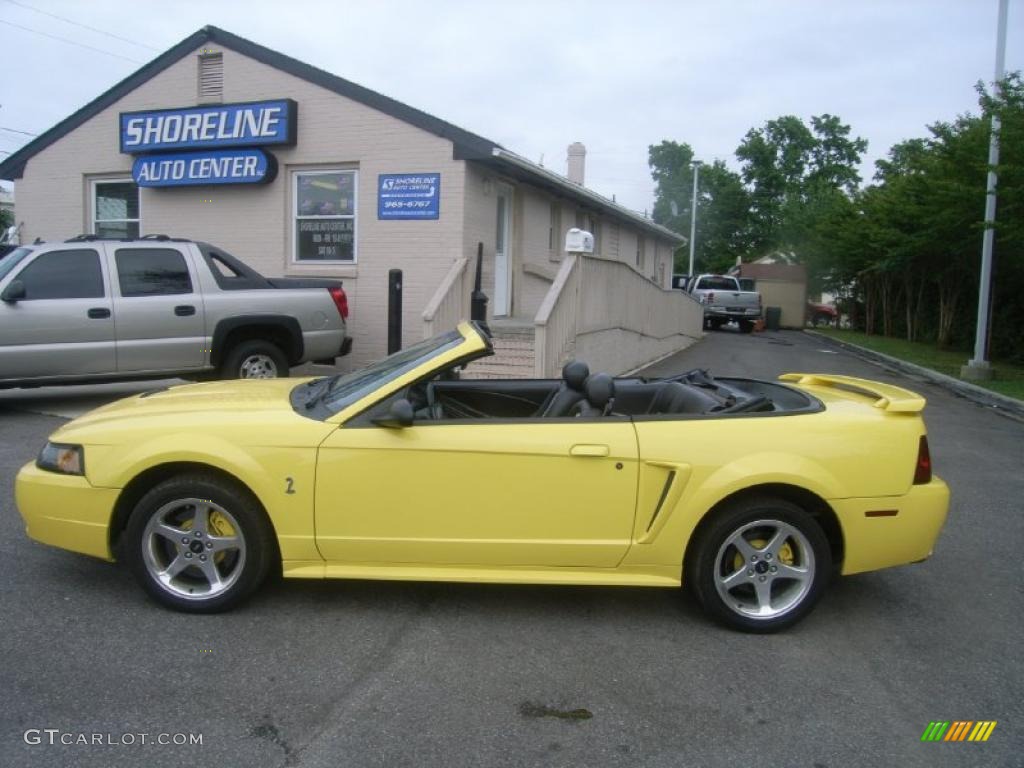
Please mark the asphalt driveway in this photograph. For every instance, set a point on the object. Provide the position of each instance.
(391, 674)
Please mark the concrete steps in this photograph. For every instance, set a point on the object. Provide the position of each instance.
(513, 355)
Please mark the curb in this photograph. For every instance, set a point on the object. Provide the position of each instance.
(972, 392)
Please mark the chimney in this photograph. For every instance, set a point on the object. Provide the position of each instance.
(577, 162)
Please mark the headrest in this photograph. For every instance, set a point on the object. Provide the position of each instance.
(575, 374)
(600, 389)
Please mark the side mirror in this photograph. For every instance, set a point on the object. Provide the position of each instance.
(400, 415)
(15, 291)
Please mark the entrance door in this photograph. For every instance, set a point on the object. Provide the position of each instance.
(502, 256)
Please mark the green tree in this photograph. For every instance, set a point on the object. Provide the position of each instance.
(723, 207)
(786, 165)
(724, 232)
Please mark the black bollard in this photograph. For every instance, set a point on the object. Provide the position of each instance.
(478, 302)
(394, 310)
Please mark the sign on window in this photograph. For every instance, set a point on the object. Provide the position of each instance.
(326, 240)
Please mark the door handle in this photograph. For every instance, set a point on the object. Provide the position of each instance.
(98, 313)
(184, 310)
(596, 451)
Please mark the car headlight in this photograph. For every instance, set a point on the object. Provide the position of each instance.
(63, 458)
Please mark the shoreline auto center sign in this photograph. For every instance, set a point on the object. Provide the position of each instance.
(156, 136)
(408, 195)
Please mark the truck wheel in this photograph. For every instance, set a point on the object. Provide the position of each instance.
(760, 565)
(255, 359)
(746, 326)
(716, 324)
(198, 544)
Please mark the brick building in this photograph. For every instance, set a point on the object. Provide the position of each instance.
(299, 172)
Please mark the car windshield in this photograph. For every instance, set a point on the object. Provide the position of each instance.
(347, 389)
(12, 259)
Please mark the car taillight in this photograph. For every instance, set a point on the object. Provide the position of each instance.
(923, 471)
(710, 296)
(340, 300)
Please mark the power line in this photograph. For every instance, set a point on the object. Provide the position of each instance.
(69, 42)
(15, 130)
(83, 26)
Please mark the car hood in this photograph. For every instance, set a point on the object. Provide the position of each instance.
(189, 404)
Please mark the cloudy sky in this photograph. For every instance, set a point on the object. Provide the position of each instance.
(535, 76)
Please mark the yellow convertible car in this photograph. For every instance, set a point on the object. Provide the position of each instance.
(753, 493)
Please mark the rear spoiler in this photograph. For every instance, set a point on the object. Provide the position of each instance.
(886, 396)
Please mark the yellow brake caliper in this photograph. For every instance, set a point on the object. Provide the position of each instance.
(785, 554)
(218, 526)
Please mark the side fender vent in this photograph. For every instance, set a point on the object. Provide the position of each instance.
(661, 500)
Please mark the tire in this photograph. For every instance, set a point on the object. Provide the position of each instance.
(255, 359)
(716, 324)
(746, 577)
(746, 326)
(198, 544)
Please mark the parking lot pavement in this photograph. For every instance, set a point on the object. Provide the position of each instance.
(392, 674)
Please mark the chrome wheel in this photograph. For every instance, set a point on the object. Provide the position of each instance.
(193, 548)
(764, 569)
(258, 366)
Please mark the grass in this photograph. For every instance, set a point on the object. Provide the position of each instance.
(1006, 379)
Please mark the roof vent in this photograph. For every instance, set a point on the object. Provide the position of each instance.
(211, 77)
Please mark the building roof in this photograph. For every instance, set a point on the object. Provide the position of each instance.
(522, 168)
(794, 272)
(466, 145)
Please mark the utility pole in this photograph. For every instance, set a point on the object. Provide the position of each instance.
(693, 212)
(978, 367)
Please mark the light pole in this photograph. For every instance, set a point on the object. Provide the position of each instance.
(693, 212)
(978, 366)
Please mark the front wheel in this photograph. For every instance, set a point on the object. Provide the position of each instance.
(255, 359)
(198, 544)
(760, 565)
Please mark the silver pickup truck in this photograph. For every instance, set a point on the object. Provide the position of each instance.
(724, 301)
(90, 309)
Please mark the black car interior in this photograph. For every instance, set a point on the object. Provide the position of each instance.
(582, 394)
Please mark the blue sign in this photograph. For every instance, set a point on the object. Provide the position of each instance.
(255, 123)
(217, 166)
(408, 195)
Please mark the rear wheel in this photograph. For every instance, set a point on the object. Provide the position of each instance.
(746, 326)
(198, 544)
(255, 359)
(717, 323)
(760, 565)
